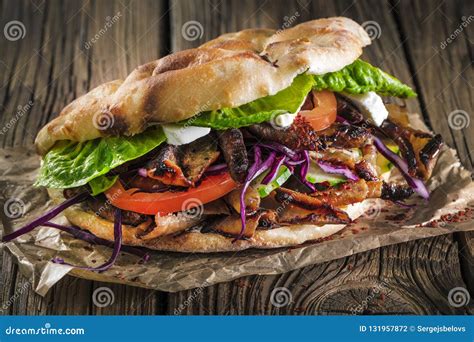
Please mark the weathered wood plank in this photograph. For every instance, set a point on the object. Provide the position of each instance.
(398, 279)
(440, 55)
(68, 48)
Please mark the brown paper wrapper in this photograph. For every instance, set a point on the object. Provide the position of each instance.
(385, 224)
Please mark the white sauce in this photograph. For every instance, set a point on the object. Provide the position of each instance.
(286, 119)
(371, 106)
(180, 135)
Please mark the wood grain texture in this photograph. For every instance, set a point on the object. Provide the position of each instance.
(51, 66)
(58, 61)
(410, 278)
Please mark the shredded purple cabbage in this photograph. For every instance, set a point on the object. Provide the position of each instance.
(46, 217)
(255, 170)
(277, 147)
(94, 240)
(294, 162)
(115, 252)
(415, 183)
(274, 169)
(329, 167)
(279, 155)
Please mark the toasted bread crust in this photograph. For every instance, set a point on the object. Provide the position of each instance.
(197, 242)
(229, 71)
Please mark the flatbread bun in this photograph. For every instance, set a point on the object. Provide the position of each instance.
(197, 242)
(229, 71)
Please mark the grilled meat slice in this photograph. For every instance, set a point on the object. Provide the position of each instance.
(345, 157)
(169, 224)
(419, 149)
(299, 136)
(232, 225)
(348, 111)
(344, 194)
(367, 167)
(197, 156)
(183, 165)
(146, 184)
(343, 135)
(217, 207)
(395, 192)
(268, 219)
(324, 214)
(104, 209)
(165, 168)
(232, 145)
(252, 199)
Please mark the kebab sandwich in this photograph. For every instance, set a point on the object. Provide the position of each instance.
(256, 139)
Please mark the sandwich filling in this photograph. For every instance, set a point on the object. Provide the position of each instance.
(300, 156)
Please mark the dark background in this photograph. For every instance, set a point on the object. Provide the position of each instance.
(53, 57)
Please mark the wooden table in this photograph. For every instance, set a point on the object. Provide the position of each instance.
(70, 47)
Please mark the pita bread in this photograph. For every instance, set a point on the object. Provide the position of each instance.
(229, 71)
(197, 242)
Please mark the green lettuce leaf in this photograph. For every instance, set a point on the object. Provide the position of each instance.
(264, 109)
(357, 78)
(70, 164)
(101, 183)
(360, 77)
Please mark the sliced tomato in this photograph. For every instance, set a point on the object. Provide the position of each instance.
(210, 189)
(320, 109)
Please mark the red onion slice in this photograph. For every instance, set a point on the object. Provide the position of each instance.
(337, 169)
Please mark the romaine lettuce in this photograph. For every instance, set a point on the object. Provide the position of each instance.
(360, 77)
(357, 78)
(71, 164)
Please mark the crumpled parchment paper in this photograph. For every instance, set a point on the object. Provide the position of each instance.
(452, 192)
